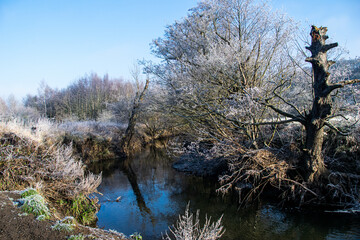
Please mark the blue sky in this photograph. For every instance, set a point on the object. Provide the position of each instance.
(59, 41)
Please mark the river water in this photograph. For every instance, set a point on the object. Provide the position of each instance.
(146, 195)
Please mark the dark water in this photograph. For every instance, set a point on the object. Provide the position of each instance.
(152, 195)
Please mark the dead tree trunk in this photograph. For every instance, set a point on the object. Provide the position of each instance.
(130, 130)
(316, 120)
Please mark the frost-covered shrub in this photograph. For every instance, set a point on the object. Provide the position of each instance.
(188, 227)
(31, 158)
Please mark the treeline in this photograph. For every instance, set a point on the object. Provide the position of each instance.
(87, 98)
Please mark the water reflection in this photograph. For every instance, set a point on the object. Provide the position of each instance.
(153, 195)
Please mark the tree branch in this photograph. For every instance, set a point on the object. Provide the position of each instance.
(337, 115)
(285, 114)
(341, 84)
(336, 129)
(291, 105)
(273, 123)
(327, 47)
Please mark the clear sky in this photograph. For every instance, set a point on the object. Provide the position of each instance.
(59, 41)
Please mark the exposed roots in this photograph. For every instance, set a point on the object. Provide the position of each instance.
(269, 169)
(254, 171)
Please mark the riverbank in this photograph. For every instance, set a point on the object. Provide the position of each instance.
(33, 156)
(16, 225)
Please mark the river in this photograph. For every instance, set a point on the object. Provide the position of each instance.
(146, 195)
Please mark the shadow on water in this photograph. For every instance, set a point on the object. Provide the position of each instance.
(109, 167)
(152, 195)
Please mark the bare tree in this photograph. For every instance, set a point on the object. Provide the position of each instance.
(317, 117)
(125, 143)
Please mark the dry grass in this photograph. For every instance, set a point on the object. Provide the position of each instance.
(37, 131)
(28, 160)
(108, 130)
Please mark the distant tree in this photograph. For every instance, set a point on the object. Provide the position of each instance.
(3, 107)
(84, 99)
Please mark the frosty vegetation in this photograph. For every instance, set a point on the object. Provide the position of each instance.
(36, 158)
(232, 84)
(188, 227)
(234, 73)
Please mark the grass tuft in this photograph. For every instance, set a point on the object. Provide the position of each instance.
(35, 204)
(28, 192)
(83, 209)
(67, 224)
(76, 237)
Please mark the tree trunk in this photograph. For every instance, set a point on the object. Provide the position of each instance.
(130, 130)
(313, 160)
(322, 104)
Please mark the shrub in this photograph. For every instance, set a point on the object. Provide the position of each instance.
(188, 227)
(27, 158)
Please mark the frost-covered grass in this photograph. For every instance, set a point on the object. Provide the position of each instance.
(32, 202)
(34, 130)
(76, 237)
(103, 129)
(45, 128)
(67, 224)
(63, 227)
